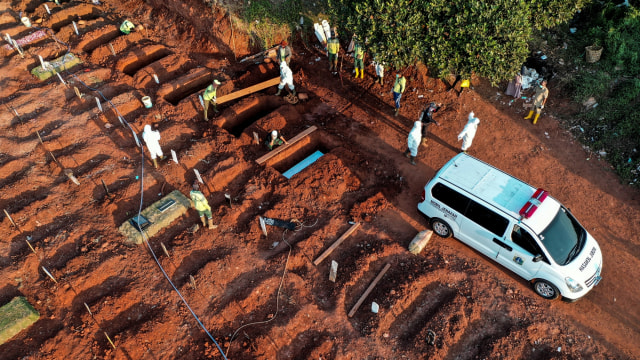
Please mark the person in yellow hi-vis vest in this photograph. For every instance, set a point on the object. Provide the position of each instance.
(126, 27)
(201, 205)
(210, 96)
(333, 47)
(358, 57)
(398, 88)
(539, 99)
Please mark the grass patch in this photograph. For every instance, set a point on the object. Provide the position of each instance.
(16, 316)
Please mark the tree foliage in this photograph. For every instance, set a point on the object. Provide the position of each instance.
(488, 38)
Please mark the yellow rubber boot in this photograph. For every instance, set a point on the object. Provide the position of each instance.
(362, 74)
(529, 116)
(357, 72)
(535, 119)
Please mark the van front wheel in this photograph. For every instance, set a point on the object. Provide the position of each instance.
(546, 289)
(441, 228)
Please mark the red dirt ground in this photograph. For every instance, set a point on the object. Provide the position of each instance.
(476, 308)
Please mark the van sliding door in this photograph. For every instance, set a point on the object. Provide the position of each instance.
(480, 226)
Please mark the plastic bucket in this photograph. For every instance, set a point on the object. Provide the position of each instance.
(147, 102)
(26, 21)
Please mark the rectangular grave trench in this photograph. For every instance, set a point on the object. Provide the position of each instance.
(301, 155)
(190, 87)
(141, 58)
(240, 116)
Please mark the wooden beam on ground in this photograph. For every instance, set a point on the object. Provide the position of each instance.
(281, 148)
(336, 244)
(247, 91)
(369, 289)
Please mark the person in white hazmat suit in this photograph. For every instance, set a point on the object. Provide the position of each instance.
(286, 78)
(469, 132)
(413, 142)
(152, 138)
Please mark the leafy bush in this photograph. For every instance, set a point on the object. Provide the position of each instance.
(614, 81)
(461, 37)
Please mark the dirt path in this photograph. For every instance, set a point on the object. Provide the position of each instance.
(475, 308)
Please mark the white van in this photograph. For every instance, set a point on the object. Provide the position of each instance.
(517, 225)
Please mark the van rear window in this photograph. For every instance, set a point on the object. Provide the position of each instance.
(451, 198)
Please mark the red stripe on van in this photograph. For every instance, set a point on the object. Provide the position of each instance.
(532, 205)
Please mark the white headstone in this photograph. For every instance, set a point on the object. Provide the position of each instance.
(99, 105)
(374, 307)
(263, 226)
(333, 272)
(174, 156)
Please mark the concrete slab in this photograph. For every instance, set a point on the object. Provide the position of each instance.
(159, 215)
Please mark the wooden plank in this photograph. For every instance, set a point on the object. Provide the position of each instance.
(281, 148)
(336, 244)
(369, 289)
(247, 91)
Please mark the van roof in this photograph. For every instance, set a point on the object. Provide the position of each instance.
(497, 188)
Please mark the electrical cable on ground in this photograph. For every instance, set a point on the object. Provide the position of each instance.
(277, 297)
(144, 235)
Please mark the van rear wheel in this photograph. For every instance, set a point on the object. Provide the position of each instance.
(546, 289)
(441, 228)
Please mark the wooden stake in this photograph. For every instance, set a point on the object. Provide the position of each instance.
(16, 112)
(30, 247)
(165, 250)
(106, 189)
(108, 338)
(53, 157)
(9, 217)
(193, 281)
(113, 51)
(39, 138)
(198, 176)
(369, 289)
(75, 88)
(336, 244)
(89, 310)
(49, 274)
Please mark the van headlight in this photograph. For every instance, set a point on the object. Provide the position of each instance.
(573, 285)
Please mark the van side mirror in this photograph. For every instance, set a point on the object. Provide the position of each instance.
(537, 258)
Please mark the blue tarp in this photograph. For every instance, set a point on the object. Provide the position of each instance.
(303, 164)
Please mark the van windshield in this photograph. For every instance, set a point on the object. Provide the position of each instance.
(564, 237)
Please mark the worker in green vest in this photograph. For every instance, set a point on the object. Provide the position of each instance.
(358, 57)
(283, 52)
(201, 205)
(333, 47)
(398, 88)
(210, 96)
(126, 27)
